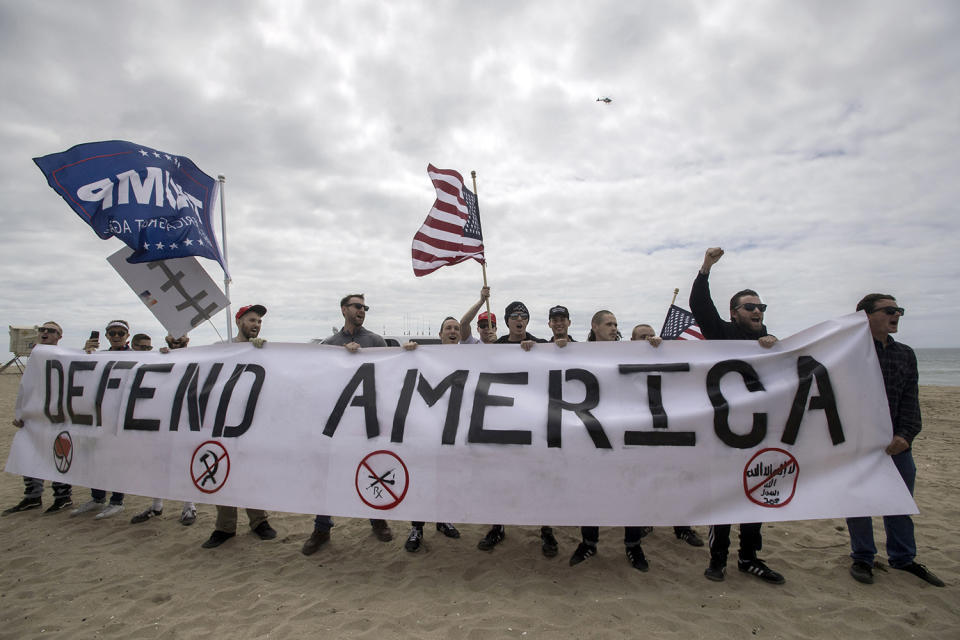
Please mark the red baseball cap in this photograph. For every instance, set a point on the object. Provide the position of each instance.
(258, 308)
(486, 315)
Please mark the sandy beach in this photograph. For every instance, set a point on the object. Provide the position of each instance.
(64, 577)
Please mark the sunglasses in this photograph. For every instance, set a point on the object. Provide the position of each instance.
(142, 347)
(890, 310)
(358, 306)
(46, 330)
(116, 334)
(483, 324)
(752, 306)
(519, 316)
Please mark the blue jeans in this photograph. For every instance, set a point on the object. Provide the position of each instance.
(33, 488)
(901, 545)
(100, 495)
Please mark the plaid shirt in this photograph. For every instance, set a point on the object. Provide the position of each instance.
(898, 364)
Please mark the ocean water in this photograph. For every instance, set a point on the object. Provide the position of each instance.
(939, 367)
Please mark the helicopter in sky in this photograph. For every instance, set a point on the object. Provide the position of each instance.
(605, 99)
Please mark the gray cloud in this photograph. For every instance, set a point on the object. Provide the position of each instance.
(814, 141)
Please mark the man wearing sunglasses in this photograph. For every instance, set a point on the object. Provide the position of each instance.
(898, 364)
(141, 342)
(746, 323)
(353, 336)
(486, 322)
(47, 333)
(118, 333)
(518, 316)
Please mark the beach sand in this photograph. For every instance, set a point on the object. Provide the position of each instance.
(64, 577)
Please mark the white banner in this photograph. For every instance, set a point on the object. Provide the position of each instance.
(613, 433)
(178, 292)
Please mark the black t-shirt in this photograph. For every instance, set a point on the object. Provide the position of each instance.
(506, 339)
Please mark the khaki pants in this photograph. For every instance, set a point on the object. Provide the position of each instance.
(227, 518)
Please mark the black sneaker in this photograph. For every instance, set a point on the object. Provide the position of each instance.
(717, 571)
(382, 530)
(59, 504)
(265, 531)
(216, 539)
(494, 537)
(145, 515)
(756, 567)
(689, 536)
(317, 539)
(549, 544)
(448, 530)
(637, 559)
(24, 505)
(413, 540)
(921, 572)
(582, 552)
(861, 572)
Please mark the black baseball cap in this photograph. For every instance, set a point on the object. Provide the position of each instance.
(558, 310)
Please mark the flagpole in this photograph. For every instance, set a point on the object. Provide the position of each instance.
(483, 265)
(221, 180)
(675, 292)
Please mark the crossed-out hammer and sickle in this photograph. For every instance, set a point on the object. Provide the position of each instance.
(381, 479)
(211, 472)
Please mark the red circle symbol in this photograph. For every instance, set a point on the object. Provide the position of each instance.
(210, 466)
(770, 478)
(63, 451)
(382, 480)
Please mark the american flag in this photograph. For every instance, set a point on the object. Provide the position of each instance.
(451, 233)
(680, 325)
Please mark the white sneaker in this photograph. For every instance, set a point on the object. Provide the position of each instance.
(86, 507)
(189, 514)
(109, 510)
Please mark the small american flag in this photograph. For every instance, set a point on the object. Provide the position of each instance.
(680, 325)
(451, 233)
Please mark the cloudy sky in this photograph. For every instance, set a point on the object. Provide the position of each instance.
(816, 142)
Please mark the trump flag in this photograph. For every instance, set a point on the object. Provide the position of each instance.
(158, 203)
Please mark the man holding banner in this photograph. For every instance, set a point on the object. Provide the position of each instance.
(746, 323)
(249, 320)
(898, 364)
(118, 334)
(353, 336)
(603, 328)
(47, 333)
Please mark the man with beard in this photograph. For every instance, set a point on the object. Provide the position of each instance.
(746, 323)
(249, 320)
(353, 337)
